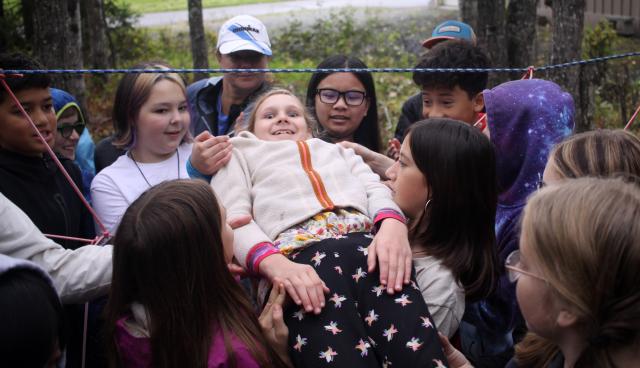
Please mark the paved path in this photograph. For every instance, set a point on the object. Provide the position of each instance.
(219, 14)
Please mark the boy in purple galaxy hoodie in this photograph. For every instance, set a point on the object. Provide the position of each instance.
(526, 119)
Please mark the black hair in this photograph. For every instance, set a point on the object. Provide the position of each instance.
(459, 166)
(31, 317)
(454, 54)
(22, 62)
(368, 133)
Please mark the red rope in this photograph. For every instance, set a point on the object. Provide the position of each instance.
(481, 123)
(64, 237)
(105, 232)
(529, 73)
(633, 117)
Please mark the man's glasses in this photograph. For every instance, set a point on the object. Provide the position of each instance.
(67, 129)
(513, 271)
(331, 96)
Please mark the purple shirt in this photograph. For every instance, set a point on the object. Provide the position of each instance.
(136, 351)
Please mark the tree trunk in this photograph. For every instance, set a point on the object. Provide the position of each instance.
(57, 42)
(469, 12)
(566, 45)
(3, 33)
(94, 34)
(27, 18)
(491, 35)
(521, 34)
(198, 42)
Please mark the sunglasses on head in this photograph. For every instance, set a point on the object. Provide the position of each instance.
(67, 129)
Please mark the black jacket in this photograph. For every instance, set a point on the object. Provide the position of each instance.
(36, 185)
(106, 153)
(411, 113)
(203, 97)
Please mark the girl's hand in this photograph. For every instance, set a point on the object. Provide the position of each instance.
(379, 163)
(454, 356)
(391, 248)
(210, 153)
(272, 322)
(301, 281)
(393, 149)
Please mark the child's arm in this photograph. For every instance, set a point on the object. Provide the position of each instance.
(391, 244)
(379, 163)
(78, 275)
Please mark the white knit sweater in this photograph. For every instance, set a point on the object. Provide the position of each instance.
(281, 184)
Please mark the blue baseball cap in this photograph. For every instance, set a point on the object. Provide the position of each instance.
(450, 30)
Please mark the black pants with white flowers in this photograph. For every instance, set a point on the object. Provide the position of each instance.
(361, 325)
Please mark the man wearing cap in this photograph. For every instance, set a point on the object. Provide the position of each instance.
(412, 108)
(215, 103)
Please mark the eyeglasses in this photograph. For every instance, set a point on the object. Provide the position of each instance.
(331, 96)
(67, 129)
(513, 271)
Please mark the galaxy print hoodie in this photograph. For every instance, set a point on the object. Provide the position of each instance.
(526, 119)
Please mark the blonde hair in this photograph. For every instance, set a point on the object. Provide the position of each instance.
(133, 91)
(597, 153)
(250, 121)
(585, 235)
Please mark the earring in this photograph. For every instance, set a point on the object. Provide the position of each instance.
(427, 204)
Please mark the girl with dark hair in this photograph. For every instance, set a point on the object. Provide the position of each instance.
(345, 104)
(445, 182)
(173, 302)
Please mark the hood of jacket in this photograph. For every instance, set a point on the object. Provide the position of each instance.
(63, 100)
(526, 119)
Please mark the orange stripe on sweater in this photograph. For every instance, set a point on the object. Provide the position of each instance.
(314, 177)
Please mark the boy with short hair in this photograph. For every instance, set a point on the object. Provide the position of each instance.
(447, 30)
(30, 178)
(454, 95)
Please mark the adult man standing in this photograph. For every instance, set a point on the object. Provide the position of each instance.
(215, 103)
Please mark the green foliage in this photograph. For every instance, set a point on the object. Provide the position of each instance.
(376, 42)
(599, 40)
(12, 36)
(617, 83)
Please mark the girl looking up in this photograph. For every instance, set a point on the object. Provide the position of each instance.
(314, 205)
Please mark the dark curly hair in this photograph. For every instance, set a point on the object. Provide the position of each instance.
(454, 54)
(22, 62)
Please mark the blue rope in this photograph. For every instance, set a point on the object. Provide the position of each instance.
(325, 70)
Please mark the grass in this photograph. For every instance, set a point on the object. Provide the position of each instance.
(153, 6)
